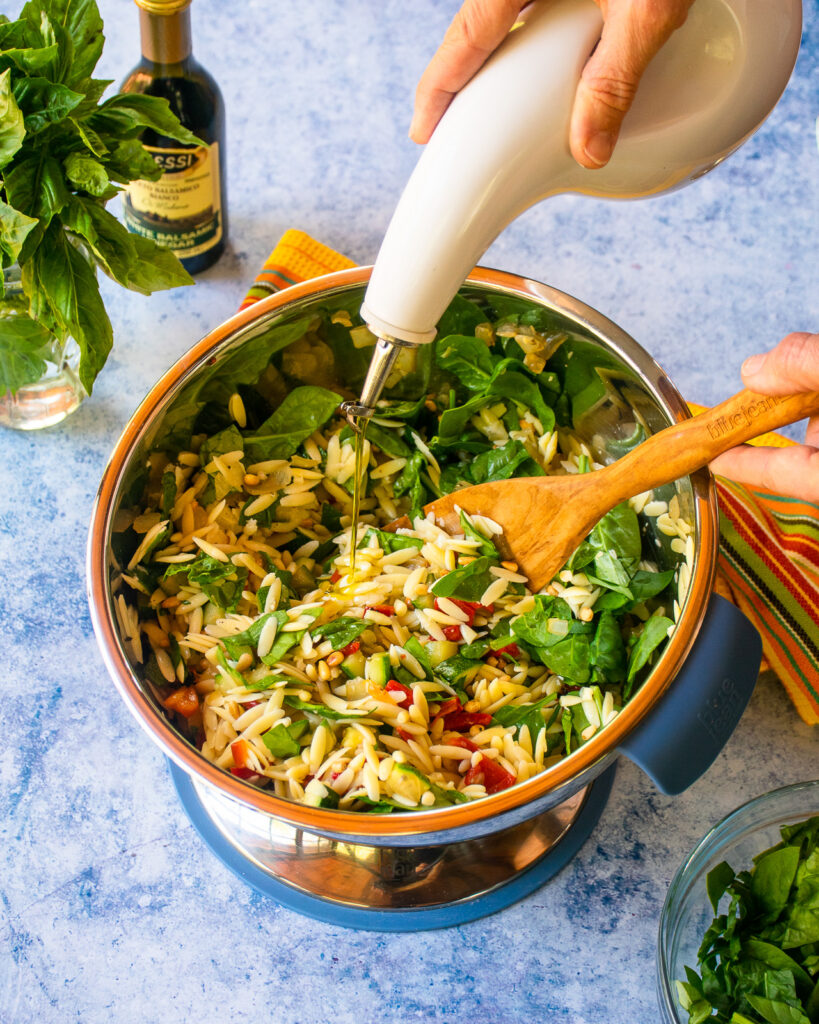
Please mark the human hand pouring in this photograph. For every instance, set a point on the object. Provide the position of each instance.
(545, 519)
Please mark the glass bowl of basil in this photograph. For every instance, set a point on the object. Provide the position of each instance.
(739, 930)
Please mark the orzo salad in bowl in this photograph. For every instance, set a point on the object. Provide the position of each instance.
(431, 675)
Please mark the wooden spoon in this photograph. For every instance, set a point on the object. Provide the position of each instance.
(545, 518)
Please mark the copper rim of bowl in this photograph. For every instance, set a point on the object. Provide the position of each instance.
(321, 820)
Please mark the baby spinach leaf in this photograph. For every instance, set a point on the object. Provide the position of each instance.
(718, 880)
(746, 975)
(389, 542)
(288, 592)
(460, 317)
(453, 422)
(619, 532)
(286, 641)
(467, 582)
(340, 632)
(533, 716)
(388, 440)
(168, 485)
(486, 546)
(283, 740)
(533, 627)
(607, 651)
(409, 482)
(772, 879)
(521, 389)
(467, 358)
(501, 463)
(227, 440)
(291, 701)
(414, 647)
(221, 581)
(303, 411)
(248, 640)
(654, 632)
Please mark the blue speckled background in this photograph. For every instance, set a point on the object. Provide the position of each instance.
(112, 909)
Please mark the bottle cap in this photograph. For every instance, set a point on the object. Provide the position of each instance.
(163, 6)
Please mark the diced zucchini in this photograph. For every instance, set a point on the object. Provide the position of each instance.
(407, 781)
(424, 601)
(379, 669)
(354, 665)
(440, 650)
(316, 794)
(303, 581)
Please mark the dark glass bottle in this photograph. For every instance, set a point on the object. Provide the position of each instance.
(186, 209)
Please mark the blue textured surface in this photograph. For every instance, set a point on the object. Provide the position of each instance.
(111, 907)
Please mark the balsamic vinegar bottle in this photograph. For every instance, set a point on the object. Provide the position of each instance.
(185, 209)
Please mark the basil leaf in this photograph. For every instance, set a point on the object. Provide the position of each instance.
(36, 187)
(135, 262)
(65, 296)
(24, 347)
(134, 111)
(127, 161)
(44, 103)
(12, 130)
(83, 24)
(86, 173)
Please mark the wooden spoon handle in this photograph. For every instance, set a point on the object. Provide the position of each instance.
(684, 447)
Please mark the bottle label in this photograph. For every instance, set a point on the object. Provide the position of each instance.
(182, 210)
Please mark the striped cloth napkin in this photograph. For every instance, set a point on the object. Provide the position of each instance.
(769, 545)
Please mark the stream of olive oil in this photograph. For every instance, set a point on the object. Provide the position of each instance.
(360, 440)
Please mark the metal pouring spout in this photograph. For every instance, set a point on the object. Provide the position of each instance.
(383, 359)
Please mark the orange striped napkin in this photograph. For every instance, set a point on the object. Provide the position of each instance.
(769, 545)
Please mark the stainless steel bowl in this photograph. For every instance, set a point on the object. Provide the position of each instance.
(279, 834)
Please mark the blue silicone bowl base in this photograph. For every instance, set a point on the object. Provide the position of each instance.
(404, 920)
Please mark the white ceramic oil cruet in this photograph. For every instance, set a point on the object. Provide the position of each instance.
(503, 145)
